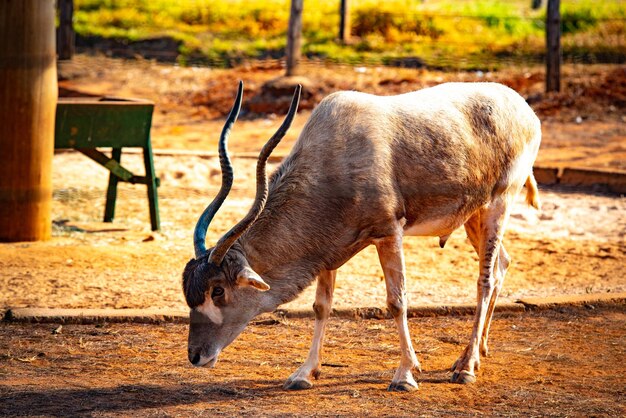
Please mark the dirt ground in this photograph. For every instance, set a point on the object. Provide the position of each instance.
(124, 265)
(584, 125)
(549, 363)
(541, 364)
(577, 244)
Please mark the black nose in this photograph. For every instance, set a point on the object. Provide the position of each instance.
(195, 360)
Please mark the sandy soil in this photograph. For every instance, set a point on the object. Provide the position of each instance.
(584, 125)
(541, 364)
(93, 264)
(575, 245)
(548, 364)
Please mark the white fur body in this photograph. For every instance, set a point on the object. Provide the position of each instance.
(368, 170)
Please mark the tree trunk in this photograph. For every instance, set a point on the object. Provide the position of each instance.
(28, 97)
(294, 36)
(553, 46)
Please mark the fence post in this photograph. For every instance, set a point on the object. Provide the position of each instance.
(65, 46)
(28, 99)
(553, 46)
(294, 36)
(344, 22)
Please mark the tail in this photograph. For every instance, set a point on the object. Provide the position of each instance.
(532, 194)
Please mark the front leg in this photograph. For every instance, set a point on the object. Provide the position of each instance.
(392, 262)
(301, 378)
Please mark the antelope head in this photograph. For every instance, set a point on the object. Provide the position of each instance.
(223, 292)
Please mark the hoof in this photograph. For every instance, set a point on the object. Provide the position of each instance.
(463, 377)
(401, 387)
(453, 368)
(297, 385)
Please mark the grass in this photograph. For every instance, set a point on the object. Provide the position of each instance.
(445, 33)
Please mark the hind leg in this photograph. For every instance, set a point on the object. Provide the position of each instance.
(492, 222)
(472, 227)
(502, 265)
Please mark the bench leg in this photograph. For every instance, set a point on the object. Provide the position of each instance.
(153, 199)
(109, 209)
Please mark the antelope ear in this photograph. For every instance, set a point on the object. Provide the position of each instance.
(248, 277)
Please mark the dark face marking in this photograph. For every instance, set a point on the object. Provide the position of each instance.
(196, 277)
(220, 307)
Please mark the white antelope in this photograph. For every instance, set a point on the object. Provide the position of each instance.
(366, 170)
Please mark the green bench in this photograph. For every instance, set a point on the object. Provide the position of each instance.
(86, 123)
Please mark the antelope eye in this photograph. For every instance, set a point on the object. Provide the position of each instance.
(217, 291)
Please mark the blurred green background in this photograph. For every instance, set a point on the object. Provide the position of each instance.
(440, 33)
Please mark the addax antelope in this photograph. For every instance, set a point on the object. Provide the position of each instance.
(366, 170)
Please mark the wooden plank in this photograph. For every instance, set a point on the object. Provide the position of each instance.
(108, 163)
(614, 181)
(109, 208)
(546, 175)
(152, 183)
(107, 124)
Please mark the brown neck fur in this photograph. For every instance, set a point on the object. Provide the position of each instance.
(290, 243)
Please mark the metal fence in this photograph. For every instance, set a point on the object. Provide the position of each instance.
(611, 48)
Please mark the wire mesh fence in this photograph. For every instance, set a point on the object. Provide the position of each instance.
(438, 33)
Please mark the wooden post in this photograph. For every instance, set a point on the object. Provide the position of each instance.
(28, 97)
(344, 22)
(294, 36)
(553, 46)
(65, 47)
